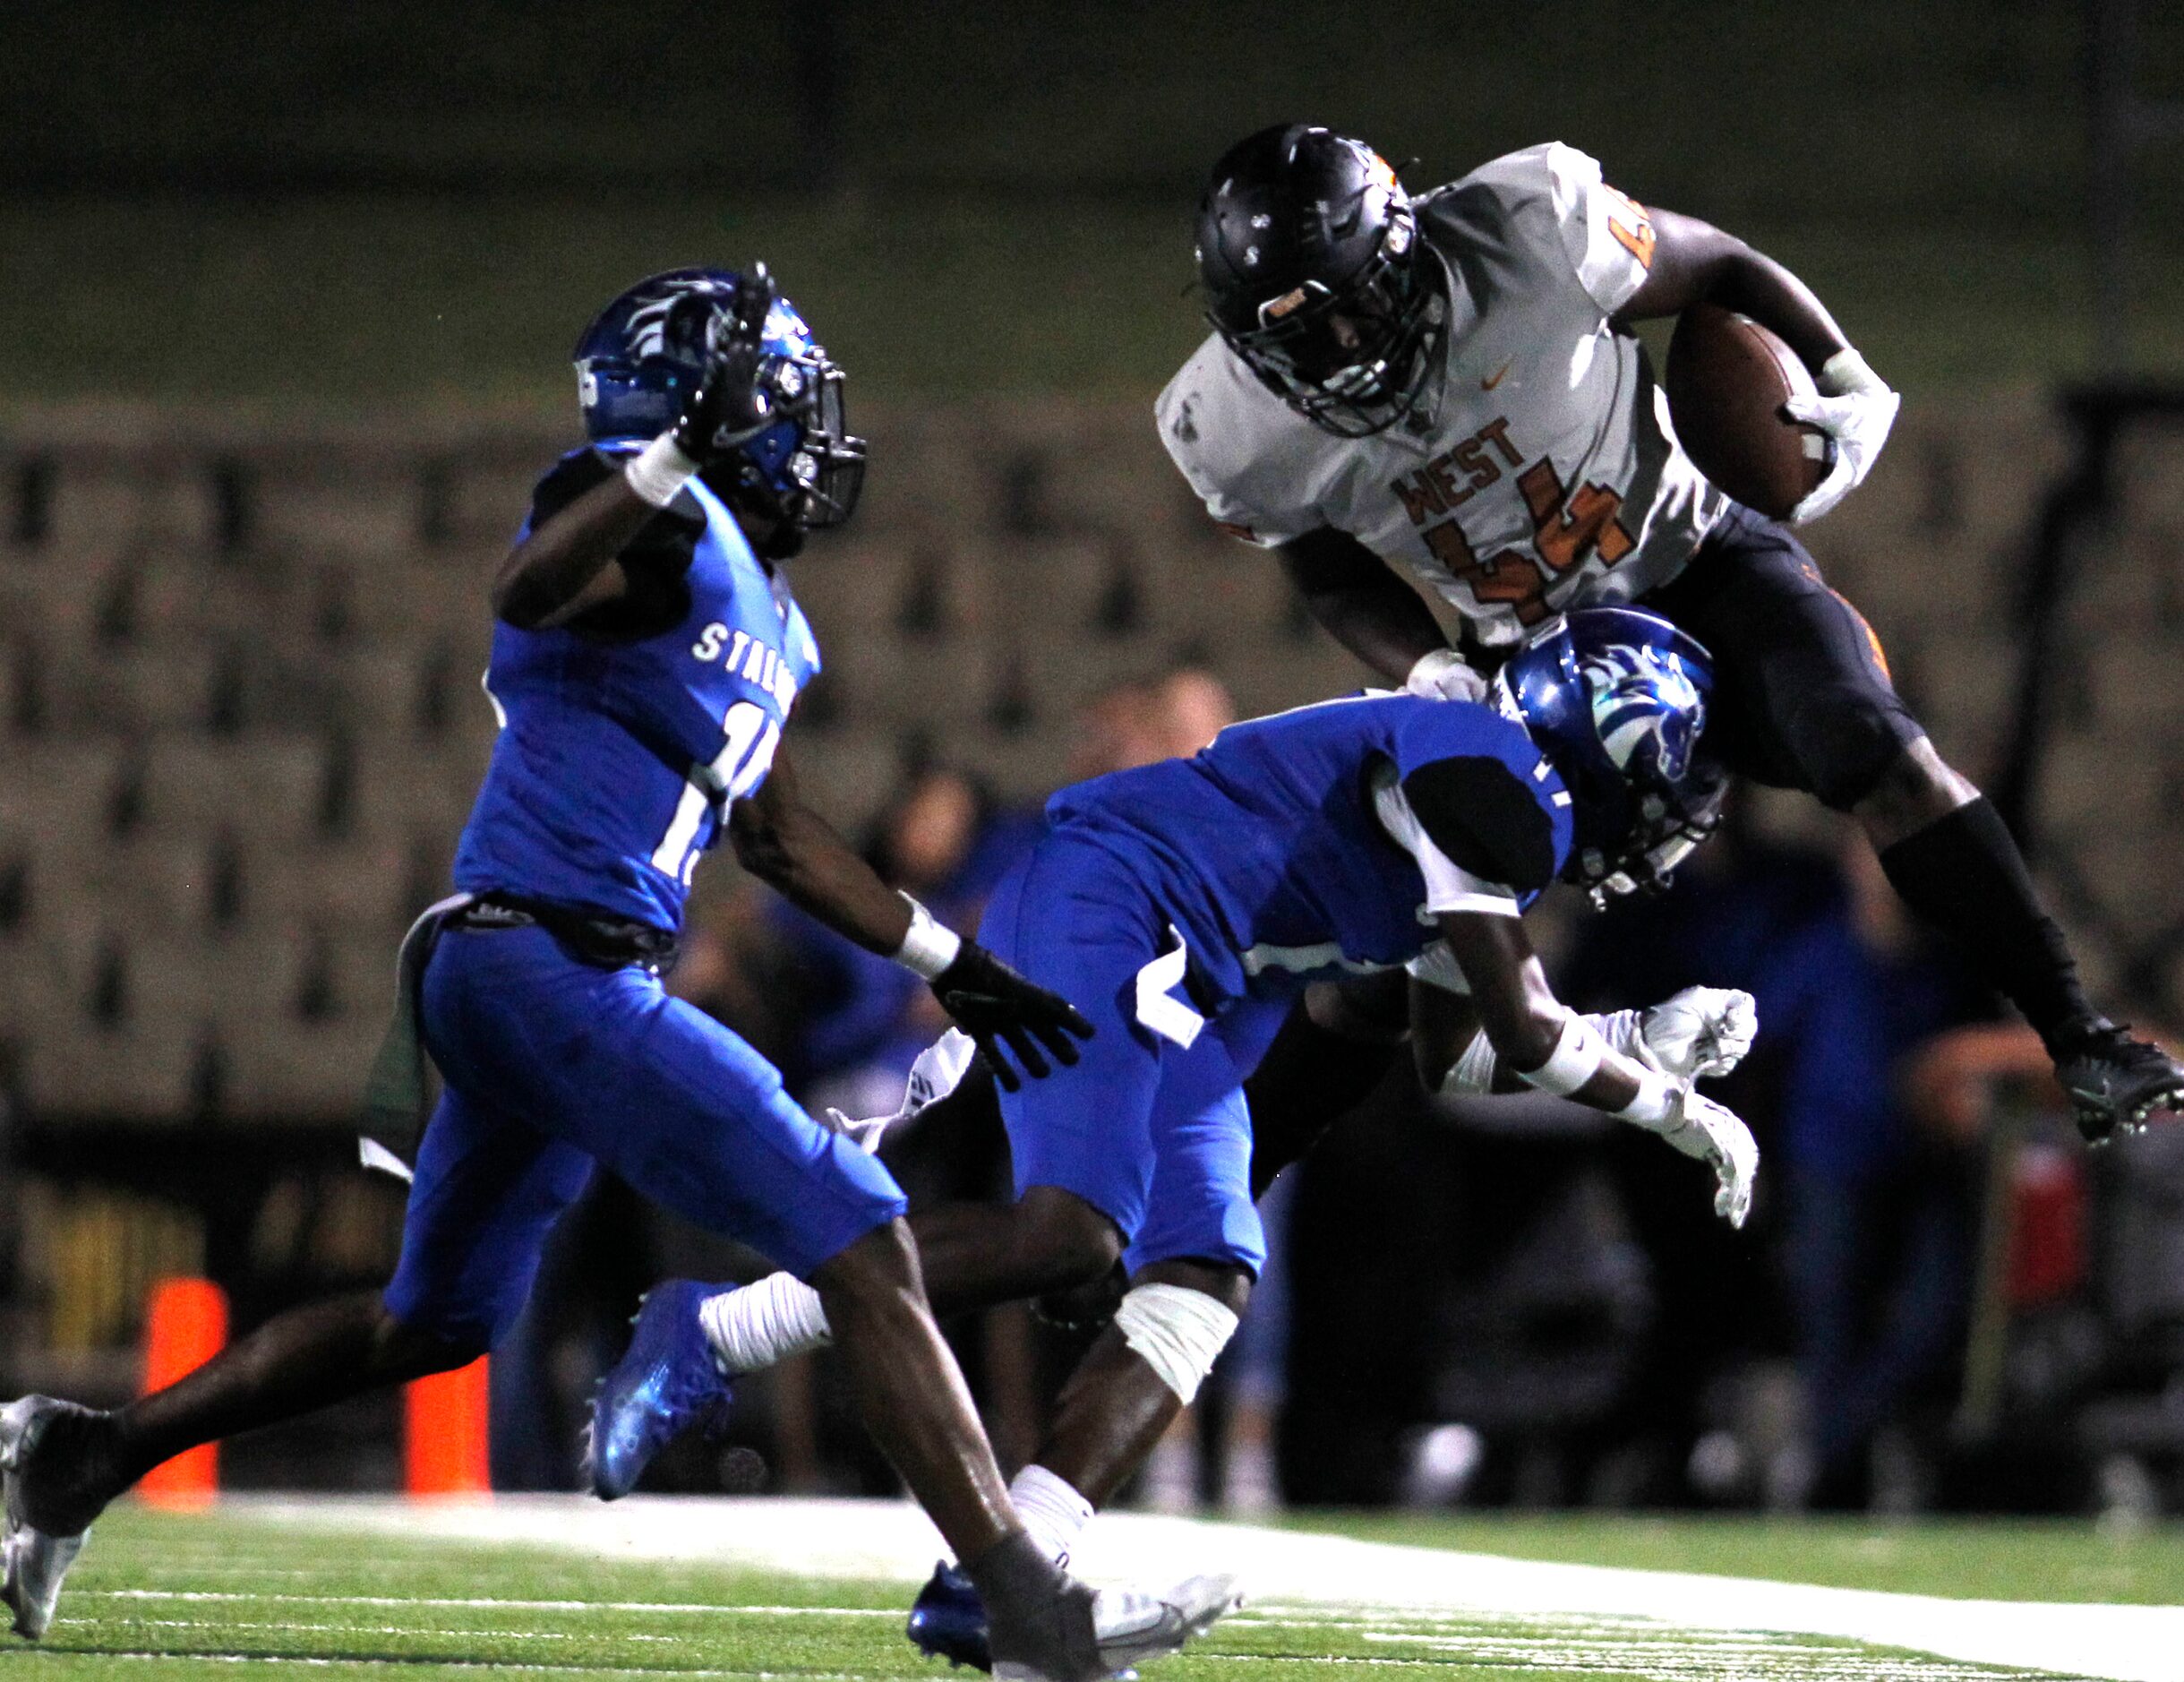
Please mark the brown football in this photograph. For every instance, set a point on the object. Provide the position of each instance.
(1728, 379)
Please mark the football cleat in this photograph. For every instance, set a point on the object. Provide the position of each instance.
(2116, 1083)
(32, 1563)
(1130, 1626)
(664, 1384)
(948, 1620)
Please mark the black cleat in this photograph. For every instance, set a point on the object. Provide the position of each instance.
(33, 1561)
(2115, 1082)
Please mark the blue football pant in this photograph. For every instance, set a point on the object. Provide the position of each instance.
(1155, 1137)
(553, 1067)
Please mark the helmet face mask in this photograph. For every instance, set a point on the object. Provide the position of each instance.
(1354, 362)
(1617, 700)
(645, 353)
(1668, 826)
(806, 468)
(1317, 278)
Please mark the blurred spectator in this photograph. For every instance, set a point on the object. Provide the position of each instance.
(1876, 1235)
(863, 1019)
(1135, 723)
(1736, 901)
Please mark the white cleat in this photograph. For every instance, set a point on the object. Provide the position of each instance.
(1130, 1626)
(34, 1563)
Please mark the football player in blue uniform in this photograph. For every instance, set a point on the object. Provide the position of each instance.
(1187, 906)
(646, 657)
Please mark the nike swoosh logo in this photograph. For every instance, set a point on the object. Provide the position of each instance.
(1494, 379)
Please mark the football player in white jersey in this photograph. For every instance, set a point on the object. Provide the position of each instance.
(1440, 396)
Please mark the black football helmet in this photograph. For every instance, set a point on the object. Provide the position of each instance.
(1316, 277)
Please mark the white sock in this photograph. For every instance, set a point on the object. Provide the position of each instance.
(755, 1326)
(1052, 1511)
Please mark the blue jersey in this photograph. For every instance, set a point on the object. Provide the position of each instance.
(622, 743)
(1323, 840)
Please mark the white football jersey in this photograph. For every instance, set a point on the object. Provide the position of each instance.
(1547, 474)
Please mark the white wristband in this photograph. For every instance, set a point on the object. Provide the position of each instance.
(1654, 1104)
(1845, 371)
(1575, 1060)
(659, 471)
(930, 945)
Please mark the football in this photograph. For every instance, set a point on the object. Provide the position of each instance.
(1728, 379)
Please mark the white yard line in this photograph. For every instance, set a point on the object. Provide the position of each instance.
(891, 1539)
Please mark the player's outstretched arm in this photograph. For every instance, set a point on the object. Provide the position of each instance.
(1696, 262)
(1546, 1046)
(1700, 1033)
(782, 842)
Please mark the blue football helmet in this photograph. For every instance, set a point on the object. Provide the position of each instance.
(645, 353)
(1617, 699)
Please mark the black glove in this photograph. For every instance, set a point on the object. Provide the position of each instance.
(994, 1005)
(729, 407)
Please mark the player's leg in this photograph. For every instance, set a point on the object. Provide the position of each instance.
(1073, 917)
(1192, 1266)
(486, 1191)
(1804, 699)
(691, 1117)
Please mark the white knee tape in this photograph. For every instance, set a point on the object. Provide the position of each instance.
(1176, 1331)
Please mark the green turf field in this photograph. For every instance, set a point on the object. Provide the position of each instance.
(159, 1598)
(2005, 1560)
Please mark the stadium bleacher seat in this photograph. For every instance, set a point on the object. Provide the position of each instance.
(241, 720)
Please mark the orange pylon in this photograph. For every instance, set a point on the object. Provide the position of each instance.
(186, 1327)
(444, 1448)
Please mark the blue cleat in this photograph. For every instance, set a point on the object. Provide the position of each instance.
(948, 1620)
(664, 1384)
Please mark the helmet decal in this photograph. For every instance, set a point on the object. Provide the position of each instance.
(1616, 699)
(643, 352)
(1642, 696)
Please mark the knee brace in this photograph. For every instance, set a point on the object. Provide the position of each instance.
(1176, 1331)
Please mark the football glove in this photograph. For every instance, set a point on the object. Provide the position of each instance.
(729, 407)
(1700, 1127)
(997, 1007)
(1697, 1035)
(1443, 675)
(1855, 408)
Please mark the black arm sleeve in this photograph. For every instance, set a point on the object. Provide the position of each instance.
(1479, 812)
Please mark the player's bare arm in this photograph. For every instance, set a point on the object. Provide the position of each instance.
(1549, 1047)
(569, 561)
(1360, 602)
(789, 846)
(1696, 262)
(1523, 1020)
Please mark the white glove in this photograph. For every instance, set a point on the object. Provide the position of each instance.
(1698, 1033)
(1443, 675)
(937, 1072)
(1855, 408)
(1700, 1127)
